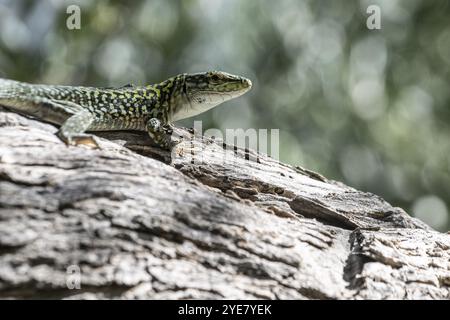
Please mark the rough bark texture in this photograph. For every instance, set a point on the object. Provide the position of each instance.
(207, 221)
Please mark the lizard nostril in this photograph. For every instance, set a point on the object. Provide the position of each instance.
(247, 82)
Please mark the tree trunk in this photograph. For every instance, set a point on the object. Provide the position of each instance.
(207, 221)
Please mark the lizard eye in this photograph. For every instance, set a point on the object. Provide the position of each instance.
(215, 77)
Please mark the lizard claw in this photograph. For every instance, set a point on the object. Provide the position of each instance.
(87, 140)
(80, 139)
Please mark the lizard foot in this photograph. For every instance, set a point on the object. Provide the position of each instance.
(160, 133)
(80, 139)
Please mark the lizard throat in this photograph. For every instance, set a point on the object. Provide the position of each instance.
(200, 102)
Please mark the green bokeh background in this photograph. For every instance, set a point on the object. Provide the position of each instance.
(368, 107)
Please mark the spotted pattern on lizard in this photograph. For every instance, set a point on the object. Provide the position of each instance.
(149, 108)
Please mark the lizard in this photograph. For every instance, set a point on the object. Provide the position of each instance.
(150, 108)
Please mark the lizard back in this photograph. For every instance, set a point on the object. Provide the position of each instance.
(113, 108)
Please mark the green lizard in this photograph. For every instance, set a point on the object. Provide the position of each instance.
(149, 108)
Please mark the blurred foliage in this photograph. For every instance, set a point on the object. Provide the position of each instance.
(368, 107)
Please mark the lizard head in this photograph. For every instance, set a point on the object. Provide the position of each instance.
(203, 91)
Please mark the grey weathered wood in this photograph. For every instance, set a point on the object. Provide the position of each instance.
(203, 222)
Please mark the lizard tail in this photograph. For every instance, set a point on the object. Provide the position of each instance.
(15, 95)
(10, 89)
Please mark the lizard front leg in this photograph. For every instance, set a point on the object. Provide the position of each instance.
(72, 118)
(160, 133)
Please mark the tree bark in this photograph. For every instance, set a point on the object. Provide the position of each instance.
(205, 221)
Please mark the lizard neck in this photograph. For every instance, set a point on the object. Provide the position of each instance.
(171, 97)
